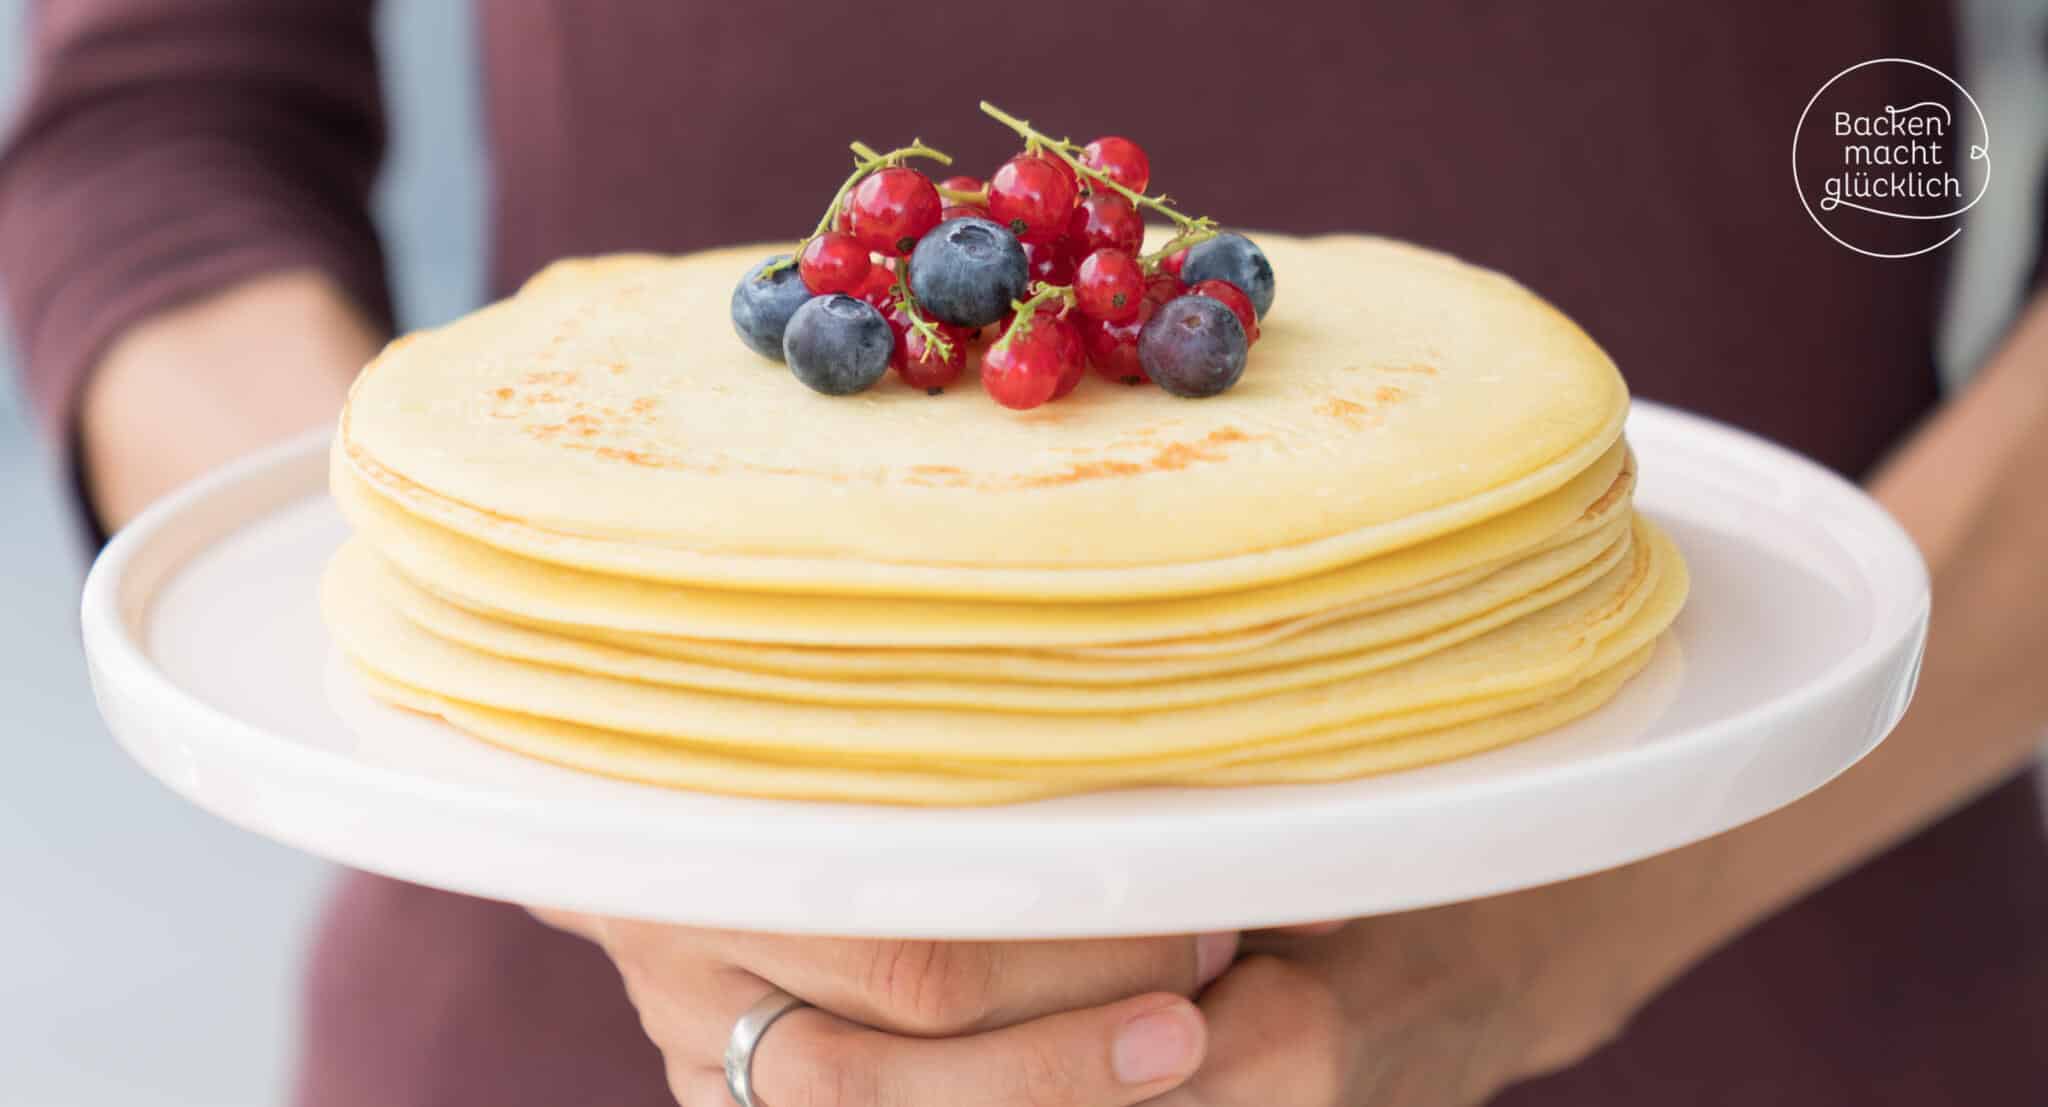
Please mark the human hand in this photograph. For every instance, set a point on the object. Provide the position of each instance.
(916, 1023)
(1438, 1008)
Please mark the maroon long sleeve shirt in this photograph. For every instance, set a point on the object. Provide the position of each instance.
(1625, 159)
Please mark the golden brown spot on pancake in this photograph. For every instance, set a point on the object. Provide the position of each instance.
(1337, 407)
(1170, 457)
(504, 393)
(1080, 471)
(1415, 367)
(633, 457)
(938, 476)
(1357, 415)
(550, 376)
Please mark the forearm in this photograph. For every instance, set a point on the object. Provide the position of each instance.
(1967, 487)
(189, 388)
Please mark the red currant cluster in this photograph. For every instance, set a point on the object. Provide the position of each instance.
(1084, 294)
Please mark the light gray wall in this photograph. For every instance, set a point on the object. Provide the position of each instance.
(149, 954)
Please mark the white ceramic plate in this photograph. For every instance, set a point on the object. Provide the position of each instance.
(1794, 657)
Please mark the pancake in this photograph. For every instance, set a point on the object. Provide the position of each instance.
(1554, 644)
(592, 528)
(605, 421)
(487, 580)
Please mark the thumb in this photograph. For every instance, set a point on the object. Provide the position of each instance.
(1110, 1056)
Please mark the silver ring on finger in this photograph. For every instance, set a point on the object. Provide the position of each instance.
(746, 1038)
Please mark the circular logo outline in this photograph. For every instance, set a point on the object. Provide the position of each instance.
(1800, 188)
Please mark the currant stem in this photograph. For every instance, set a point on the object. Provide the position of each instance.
(1028, 308)
(963, 196)
(865, 161)
(934, 340)
(1150, 262)
(1063, 149)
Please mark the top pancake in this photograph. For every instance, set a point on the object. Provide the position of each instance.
(606, 419)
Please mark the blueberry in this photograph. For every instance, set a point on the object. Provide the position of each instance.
(1233, 258)
(838, 345)
(761, 309)
(1193, 346)
(966, 271)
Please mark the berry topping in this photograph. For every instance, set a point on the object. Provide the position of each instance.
(1119, 159)
(893, 208)
(1109, 285)
(1032, 196)
(1060, 223)
(1233, 258)
(761, 307)
(967, 271)
(1233, 298)
(834, 262)
(1106, 220)
(838, 345)
(1193, 346)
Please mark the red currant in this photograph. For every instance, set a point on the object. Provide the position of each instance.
(1049, 263)
(916, 362)
(1233, 298)
(1113, 347)
(833, 262)
(1106, 220)
(1059, 164)
(962, 184)
(1164, 286)
(920, 366)
(893, 208)
(880, 287)
(1032, 196)
(1073, 353)
(1119, 159)
(962, 211)
(1172, 262)
(1023, 370)
(1109, 285)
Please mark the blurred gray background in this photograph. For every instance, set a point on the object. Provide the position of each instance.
(151, 952)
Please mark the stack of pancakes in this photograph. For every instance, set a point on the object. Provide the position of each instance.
(594, 528)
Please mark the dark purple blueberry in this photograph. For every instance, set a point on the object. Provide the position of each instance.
(1233, 258)
(761, 309)
(966, 271)
(1193, 346)
(838, 345)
